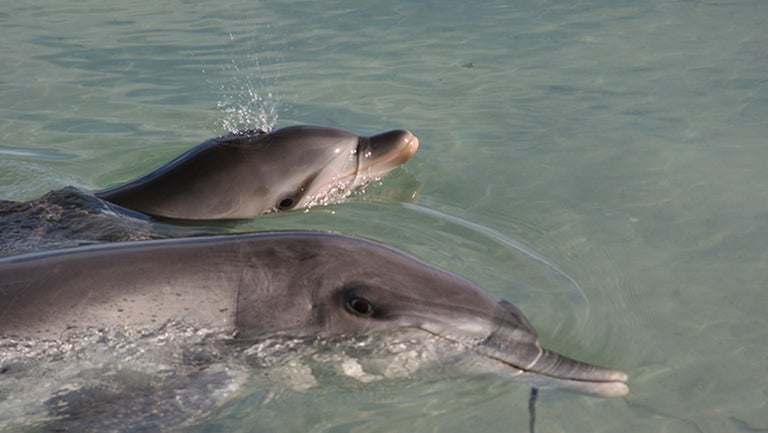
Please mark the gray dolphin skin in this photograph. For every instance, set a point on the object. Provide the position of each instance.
(249, 173)
(280, 283)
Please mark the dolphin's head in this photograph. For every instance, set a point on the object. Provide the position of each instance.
(318, 165)
(355, 286)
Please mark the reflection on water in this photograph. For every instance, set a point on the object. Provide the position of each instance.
(11, 151)
(576, 293)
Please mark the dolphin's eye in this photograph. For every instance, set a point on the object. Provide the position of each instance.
(286, 203)
(360, 306)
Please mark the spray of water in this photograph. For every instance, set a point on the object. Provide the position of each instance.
(250, 99)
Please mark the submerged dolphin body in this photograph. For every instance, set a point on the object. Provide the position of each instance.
(249, 173)
(281, 283)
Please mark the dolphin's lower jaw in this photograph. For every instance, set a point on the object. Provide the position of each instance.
(552, 370)
(511, 341)
(519, 354)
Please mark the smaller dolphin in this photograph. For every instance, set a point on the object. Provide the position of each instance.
(240, 175)
(281, 283)
(249, 173)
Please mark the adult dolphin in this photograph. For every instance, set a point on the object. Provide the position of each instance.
(280, 283)
(249, 173)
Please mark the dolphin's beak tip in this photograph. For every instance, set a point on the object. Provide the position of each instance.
(615, 385)
(608, 388)
(560, 371)
(411, 143)
(392, 148)
(615, 389)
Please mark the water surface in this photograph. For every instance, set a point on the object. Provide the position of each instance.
(624, 143)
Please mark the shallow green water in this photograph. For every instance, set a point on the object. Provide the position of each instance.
(601, 164)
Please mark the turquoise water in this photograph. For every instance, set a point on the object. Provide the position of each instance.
(601, 164)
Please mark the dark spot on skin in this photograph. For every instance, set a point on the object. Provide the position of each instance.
(306, 257)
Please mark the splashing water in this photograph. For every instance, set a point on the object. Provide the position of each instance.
(150, 376)
(164, 376)
(248, 101)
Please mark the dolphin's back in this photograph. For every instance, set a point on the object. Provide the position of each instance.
(45, 293)
(193, 183)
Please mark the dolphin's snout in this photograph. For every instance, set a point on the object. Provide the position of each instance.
(553, 364)
(392, 148)
(514, 342)
(560, 371)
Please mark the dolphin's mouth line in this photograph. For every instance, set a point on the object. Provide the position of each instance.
(551, 376)
(524, 370)
(474, 350)
(405, 150)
